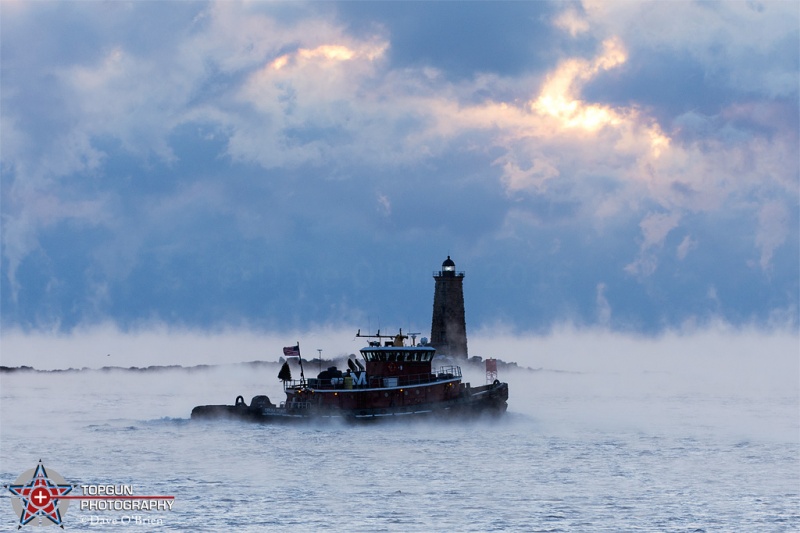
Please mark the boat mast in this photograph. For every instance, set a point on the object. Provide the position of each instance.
(302, 376)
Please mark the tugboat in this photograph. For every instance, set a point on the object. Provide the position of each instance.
(396, 380)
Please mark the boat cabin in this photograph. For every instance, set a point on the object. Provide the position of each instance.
(393, 375)
(406, 363)
(392, 365)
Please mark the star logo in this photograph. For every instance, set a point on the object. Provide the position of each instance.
(37, 495)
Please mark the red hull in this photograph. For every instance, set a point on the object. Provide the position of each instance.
(394, 403)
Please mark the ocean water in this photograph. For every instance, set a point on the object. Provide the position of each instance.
(584, 447)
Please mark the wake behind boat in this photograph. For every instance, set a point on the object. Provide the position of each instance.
(395, 380)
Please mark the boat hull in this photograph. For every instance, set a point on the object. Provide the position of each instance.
(489, 399)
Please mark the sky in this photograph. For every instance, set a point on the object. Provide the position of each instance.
(287, 167)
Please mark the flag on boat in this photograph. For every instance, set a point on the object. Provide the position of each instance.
(292, 351)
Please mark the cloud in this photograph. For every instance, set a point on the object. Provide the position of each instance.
(686, 245)
(306, 109)
(534, 177)
(655, 228)
(718, 35)
(571, 21)
(280, 128)
(384, 205)
(773, 222)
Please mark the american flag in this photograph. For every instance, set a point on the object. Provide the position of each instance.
(292, 351)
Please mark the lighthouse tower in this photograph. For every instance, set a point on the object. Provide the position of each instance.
(448, 325)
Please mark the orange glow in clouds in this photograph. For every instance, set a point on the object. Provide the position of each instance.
(558, 98)
(328, 52)
(558, 95)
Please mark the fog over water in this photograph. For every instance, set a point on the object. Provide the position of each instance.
(605, 432)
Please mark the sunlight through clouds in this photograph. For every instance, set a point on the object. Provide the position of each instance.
(534, 135)
(331, 52)
(560, 98)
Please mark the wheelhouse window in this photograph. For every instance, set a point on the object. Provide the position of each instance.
(392, 356)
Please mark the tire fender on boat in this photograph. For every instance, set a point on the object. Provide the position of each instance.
(239, 400)
(496, 382)
(392, 367)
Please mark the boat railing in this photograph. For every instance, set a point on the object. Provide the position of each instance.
(377, 382)
(452, 371)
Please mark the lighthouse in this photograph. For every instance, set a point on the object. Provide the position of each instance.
(448, 324)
